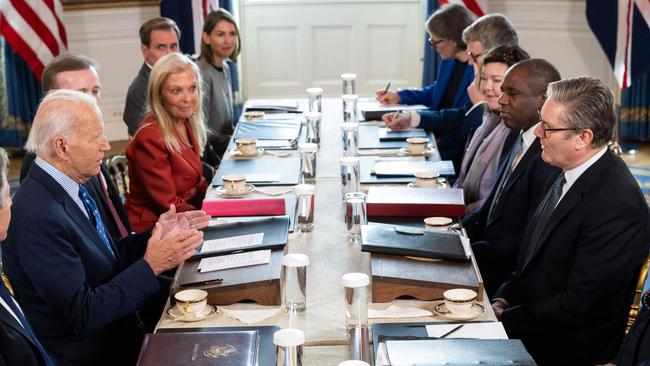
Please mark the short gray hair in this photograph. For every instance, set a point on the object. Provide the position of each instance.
(492, 30)
(56, 116)
(4, 164)
(588, 104)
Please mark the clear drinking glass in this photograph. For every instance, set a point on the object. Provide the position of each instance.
(356, 299)
(304, 207)
(312, 120)
(349, 81)
(308, 160)
(315, 96)
(350, 137)
(350, 171)
(289, 343)
(294, 281)
(350, 112)
(355, 215)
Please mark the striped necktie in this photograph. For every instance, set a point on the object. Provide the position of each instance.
(95, 218)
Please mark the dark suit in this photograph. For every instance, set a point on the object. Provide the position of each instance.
(135, 107)
(496, 242)
(635, 350)
(569, 295)
(80, 299)
(16, 348)
(95, 189)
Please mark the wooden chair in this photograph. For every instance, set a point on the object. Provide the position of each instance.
(638, 292)
(119, 171)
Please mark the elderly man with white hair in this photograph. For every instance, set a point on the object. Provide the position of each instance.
(80, 290)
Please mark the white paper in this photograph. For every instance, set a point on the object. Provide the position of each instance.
(401, 158)
(255, 178)
(409, 168)
(273, 143)
(491, 330)
(232, 243)
(235, 260)
(374, 105)
(382, 355)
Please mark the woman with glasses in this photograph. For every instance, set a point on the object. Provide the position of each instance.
(220, 43)
(445, 29)
(487, 148)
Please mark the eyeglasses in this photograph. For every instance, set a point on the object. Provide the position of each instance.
(435, 43)
(546, 131)
(474, 56)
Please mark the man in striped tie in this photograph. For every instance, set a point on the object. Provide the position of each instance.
(81, 290)
(568, 297)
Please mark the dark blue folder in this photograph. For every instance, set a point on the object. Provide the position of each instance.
(289, 168)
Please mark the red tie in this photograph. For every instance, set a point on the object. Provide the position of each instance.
(111, 207)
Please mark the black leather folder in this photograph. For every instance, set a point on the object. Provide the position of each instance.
(275, 229)
(288, 167)
(268, 130)
(266, 355)
(404, 240)
(434, 352)
(368, 176)
(184, 348)
(369, 139)
(387, 135)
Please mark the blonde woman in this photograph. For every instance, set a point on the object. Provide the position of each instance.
(164, 155)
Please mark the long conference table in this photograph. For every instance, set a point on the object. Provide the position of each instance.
(331, 256)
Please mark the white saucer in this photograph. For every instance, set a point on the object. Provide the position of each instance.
(221, 191)
(442, 183)
(175, 314)
(440, 309)
(236, 154)
(427, 152)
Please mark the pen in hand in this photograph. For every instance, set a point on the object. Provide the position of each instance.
(387, 87)
(451, 331)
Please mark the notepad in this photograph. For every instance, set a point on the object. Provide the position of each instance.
(232, 243)
(267, 144)
(256, 178)
(491, 330)
(235, 261)
(408, 168)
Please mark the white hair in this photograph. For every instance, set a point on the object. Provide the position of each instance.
(57, 115)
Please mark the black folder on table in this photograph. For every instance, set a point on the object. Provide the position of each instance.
(434, 352)
(184, 348)
(273, 108)
(373, 111)
(385, 134)
(268, 130)
(404, 240)
(266, 352)
(275, 229)
(369, 139)
(289, 168)
(367, 171)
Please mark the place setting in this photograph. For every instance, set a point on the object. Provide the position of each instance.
(191, 306)
(428, 179)
(458, 304)
(246, 149)
(234, 186)
(417, 146)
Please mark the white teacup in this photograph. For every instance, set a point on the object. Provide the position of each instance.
(427, 179)
(417, 145)
(234, 183)
(254, 115)
(246, 146)
(459, 301)
(191, 302)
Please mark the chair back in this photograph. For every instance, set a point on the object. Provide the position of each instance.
(119, 171)
(638, 292)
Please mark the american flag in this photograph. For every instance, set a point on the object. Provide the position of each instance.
(478, 7)
(622, 28)
(34, 30)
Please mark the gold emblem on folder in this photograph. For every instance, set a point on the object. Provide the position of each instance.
(219, 351)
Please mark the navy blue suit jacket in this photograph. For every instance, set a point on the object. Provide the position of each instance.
(569, 296)
(432, 95)
(496, 242)
(16, 348)
(79, 299)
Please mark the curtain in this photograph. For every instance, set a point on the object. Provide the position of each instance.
(431, 58)
(635, 110)
(23, 95)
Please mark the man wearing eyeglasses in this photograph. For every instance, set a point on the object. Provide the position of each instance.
(497, 228)
(568, 296)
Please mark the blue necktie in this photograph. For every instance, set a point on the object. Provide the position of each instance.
(514, 151)
(95, 218)
(4, 294)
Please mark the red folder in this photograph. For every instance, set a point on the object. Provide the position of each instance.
(244, 206)
(402, 201)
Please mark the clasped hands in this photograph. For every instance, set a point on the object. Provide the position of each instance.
(175, 238)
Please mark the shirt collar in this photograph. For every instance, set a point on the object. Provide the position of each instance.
(572, 175)
(528, 136)
(69, 185)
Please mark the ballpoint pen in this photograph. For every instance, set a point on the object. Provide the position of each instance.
(216, 281)
(387, 87)
(451, 331)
